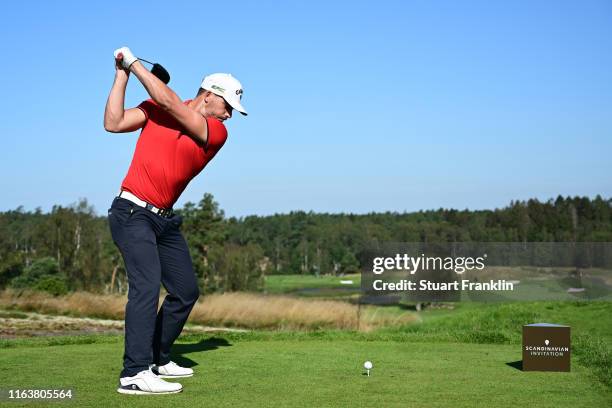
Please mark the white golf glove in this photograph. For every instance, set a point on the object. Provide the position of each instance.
(128, 57)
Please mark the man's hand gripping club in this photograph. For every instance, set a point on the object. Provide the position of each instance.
(193, 122)
(125, 56)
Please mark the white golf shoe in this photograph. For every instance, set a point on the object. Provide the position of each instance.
(172, 370)
(146, 382)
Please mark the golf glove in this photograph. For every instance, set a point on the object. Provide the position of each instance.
(128, 57)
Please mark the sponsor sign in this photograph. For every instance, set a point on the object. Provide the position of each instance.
(546, 347)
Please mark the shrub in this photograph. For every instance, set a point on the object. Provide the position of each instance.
(55, 285)
(43, 274)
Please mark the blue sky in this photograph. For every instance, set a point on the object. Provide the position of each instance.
(372, 106)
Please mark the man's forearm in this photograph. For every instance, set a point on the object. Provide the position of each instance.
(114, 111)
(159, 92)
(193, 122)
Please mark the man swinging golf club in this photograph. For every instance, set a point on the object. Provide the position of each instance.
(177, 140)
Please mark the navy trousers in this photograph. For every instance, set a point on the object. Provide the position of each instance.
(154, 251)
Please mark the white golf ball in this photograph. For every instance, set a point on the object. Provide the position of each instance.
(367, 365)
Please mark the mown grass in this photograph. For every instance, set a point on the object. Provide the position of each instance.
(249, 370)
(293, 283)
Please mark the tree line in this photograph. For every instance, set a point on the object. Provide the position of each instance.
(70, 248)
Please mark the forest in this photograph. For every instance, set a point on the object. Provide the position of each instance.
(70, 248)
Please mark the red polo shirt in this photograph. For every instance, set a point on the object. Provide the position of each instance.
(165, 159)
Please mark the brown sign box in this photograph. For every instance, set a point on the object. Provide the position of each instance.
(546, 347)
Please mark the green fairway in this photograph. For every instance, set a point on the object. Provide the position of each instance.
(314, 286)
(244, 370)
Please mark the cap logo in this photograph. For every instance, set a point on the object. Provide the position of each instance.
(218, 88)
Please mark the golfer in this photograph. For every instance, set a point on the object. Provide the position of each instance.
(177, 140)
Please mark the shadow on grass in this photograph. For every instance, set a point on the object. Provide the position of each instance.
(178, 350)
(516, 364)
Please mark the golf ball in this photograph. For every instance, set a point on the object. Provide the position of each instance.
(367, 365)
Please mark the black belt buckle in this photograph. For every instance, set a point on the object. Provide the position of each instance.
(166, 213)
(160, 211)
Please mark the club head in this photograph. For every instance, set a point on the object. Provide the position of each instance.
(161, 73)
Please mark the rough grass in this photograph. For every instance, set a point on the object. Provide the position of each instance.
(74, 304)
(32, 324)
(595, 353)
(244, 310)
(284, 312)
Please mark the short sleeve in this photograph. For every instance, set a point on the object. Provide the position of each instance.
(147, 107)
(217, 133)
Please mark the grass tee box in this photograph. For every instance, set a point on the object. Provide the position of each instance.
(461, 357)
(306, 370)
(546, 347)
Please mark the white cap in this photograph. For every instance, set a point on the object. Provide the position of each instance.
(226, 86)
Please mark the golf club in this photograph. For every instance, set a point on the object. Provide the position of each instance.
(157, 69)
